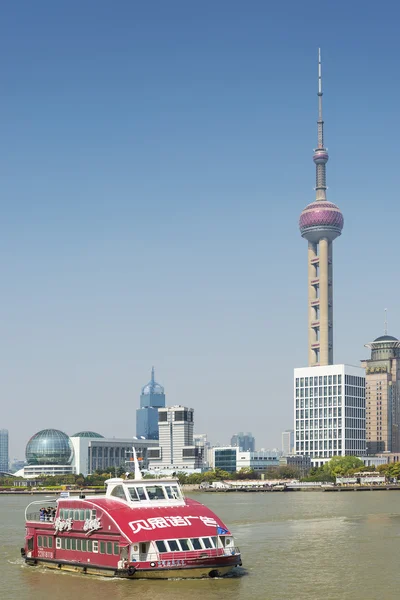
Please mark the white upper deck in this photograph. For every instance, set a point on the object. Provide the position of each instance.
(145, 492)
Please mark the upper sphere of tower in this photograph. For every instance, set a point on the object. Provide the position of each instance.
(320, 156)
(321, 219)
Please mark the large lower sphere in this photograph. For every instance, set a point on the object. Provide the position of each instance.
(321, 219)
(49, 447)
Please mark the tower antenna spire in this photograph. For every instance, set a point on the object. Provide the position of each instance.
(386, 324)
(152, 375)
(320, 153)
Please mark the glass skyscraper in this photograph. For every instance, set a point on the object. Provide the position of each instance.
(4, 450)
(151, 399)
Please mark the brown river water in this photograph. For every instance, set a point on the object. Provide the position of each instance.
(301, 545)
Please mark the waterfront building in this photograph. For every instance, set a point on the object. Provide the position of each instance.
(244, 441)
(225, 458)
(288, 442)
(48, 452)
(176, 450)
(4, 457)
(257, 461)
(300, 462)
(93, 452)
(151, 399)
(383, 395)
(329, 407)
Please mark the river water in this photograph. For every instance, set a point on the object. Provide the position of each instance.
(301, 545)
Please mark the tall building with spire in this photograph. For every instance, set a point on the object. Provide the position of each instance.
(151, 399)
(329, 399)
(321, 222)
(383, 394)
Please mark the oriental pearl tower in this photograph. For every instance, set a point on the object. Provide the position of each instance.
(320, 223)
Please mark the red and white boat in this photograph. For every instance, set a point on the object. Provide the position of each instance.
(140, 528)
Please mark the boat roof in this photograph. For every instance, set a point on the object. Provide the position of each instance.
(137, 524)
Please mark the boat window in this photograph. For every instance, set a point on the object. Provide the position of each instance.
(63, 543)
(76, 515)
(39, 541)
(87, 514)
(95, 546)
(68, 543)
(207, 542)
(30, 543)
(84, 545)
(50, 542)
(70, 514)
(90, 545)
(73, 544)
(93, 514)
(155, 492)
(109, 547)
(196, 543)
(133, 494)
(45, 542)
(102, 547)
(215, 541)
(61, 514)
(81, 515)
(118, 492)
(173, 545)
(141, 493)
(58, 543)
(116, 548)
(79, 544)
(161, 546)
(172, 492)
(184, 545)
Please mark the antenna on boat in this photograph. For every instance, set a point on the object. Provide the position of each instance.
(137, 471)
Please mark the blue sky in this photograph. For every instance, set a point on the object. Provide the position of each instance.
(155, 158)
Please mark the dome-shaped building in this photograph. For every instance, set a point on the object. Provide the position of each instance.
(49, 447)
(87, 434)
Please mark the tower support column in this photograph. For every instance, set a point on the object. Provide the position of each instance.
(330, 303)
(323, 301)
(312, 296)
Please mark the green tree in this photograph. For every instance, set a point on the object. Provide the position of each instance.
(342, 465)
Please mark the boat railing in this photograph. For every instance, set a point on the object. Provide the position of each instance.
(175, 557)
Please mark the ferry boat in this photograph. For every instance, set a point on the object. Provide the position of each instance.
(139, 529)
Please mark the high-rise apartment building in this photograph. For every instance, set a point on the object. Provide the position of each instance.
(244, 441)
(383, 395)
(287, 442)
(329, 400)
(4, 458)
(176, 450)
(151, 399)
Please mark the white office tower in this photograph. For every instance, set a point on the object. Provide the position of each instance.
(176, 450)
(329, 408)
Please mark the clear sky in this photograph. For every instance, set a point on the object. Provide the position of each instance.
(155, 158)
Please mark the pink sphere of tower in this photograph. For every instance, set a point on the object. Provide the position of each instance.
(321, 219)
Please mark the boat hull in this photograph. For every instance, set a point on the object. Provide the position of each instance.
(187, 572)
